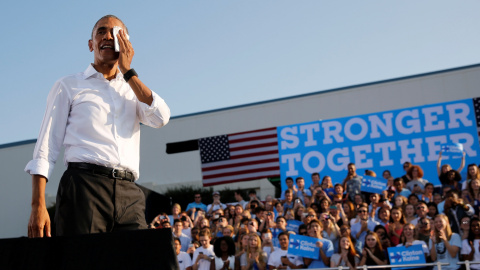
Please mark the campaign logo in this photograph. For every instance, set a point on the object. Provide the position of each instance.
(395, 257)
(303, 246)
(402, 255)
(452, 149)
(373, 184)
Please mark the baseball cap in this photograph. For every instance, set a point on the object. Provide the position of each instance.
(216, 193)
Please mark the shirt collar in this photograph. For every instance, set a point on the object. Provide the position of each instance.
(92, 72)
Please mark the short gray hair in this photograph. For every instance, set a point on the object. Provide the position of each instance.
(106, 17)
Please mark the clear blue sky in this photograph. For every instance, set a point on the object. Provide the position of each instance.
(203, 55)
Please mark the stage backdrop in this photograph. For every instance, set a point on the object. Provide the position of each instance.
(380, 141)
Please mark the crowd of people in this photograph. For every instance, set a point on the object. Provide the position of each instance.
(351, 227)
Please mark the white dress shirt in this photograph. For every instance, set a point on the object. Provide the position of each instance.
(97, 120)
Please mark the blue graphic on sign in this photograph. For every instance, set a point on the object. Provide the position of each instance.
(303, 246)
(373, 184)
(379, 141)
(292, 225)
(402, 255)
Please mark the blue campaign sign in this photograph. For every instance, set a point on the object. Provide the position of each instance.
(402, 255)
(303, 246)
(452, 149)
(292, 225)
(379, 141)
(373, 184)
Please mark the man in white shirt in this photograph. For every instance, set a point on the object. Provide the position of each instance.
(359, 230)
(184, 260)
(204, 255)
(96, 116)
(216, 204)
(279, 259)
(239, 198)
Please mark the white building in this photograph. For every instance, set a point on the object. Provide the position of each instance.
(160, 170)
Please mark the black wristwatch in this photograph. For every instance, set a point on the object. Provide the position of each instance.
(129, 74)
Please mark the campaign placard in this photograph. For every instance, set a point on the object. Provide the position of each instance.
(402, 255)
(292, 225)
(452, 149)
(373, 184)
(303, 246)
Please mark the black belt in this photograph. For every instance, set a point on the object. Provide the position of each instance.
(105, 171)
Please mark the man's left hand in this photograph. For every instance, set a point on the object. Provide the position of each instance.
(126, 52)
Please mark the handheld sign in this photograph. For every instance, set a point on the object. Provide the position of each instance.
(292, 225)
(373, 184)
(452, 149)
(402, 255)
(303, 246)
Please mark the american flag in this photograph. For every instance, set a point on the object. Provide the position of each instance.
(239, 157)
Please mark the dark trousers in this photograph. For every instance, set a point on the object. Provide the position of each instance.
(92, 203)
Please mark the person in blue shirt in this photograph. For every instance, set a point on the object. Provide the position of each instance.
(400, 188)
(197, 204)
(325, 246)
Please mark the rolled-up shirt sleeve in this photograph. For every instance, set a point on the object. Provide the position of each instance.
(156, 115)
(52, 132)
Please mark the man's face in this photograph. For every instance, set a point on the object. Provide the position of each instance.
(283, 239)
(178, 226)
(315, 230)
(398, 185)
(351, 169)
(315, 179)
(205, 241)
(300, 183)
(198, 198)
(421, 210)
(374, 197)
(363, 213)
(289, 183)
(177, 245)
(281, 223)
(227, 232)
(437, 198)
(102, 44)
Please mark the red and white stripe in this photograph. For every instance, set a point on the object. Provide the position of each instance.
(253, 155)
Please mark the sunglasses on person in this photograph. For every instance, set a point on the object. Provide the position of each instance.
(362, 211)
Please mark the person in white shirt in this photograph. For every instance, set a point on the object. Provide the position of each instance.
(216, 204)
(184, 260)
(360, 229)
(471, 246)
(204, 255)
(280, 259)
(96, 116)
(409, 239)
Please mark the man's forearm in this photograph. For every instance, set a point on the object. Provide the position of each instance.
(39, 183)
(143, 93)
